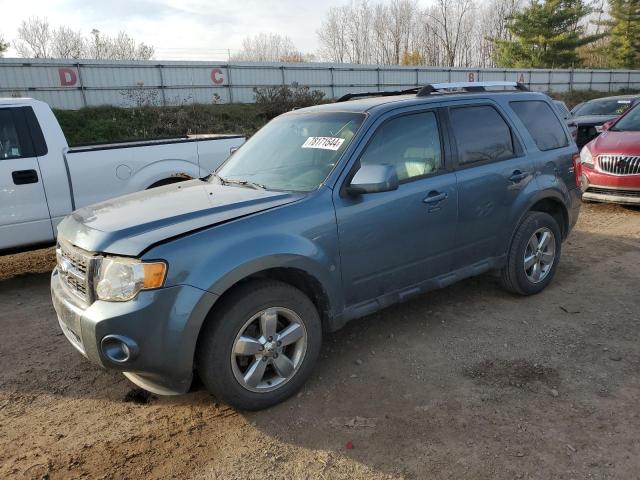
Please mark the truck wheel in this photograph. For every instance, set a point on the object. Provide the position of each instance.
(259, 345)
(533, 256)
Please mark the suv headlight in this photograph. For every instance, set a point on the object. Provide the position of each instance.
(120, 279)
(585, 157)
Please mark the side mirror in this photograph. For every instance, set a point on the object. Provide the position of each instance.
(373, 179)
(606, 126)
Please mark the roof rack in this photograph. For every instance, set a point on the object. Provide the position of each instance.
(351, 96)
(468, 87)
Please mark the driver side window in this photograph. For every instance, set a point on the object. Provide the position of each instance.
(410, 143)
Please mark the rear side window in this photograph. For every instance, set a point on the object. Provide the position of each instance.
(543, 125)
(481, 134)
(10, 144)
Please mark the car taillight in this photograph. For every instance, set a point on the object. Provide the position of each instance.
(577, 169)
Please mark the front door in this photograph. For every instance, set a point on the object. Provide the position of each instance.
(392, 240)
(24, 214)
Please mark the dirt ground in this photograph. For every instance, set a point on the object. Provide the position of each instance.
(467, 382)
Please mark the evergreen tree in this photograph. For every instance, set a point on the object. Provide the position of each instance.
(624, 33)
(546, 34)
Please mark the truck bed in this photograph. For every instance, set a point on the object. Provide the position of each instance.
(149, 142)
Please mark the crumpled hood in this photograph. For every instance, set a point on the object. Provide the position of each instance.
(612, 142)
(593, 119)
(128, 225)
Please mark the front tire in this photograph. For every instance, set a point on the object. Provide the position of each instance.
(259, 345)
(533, 256)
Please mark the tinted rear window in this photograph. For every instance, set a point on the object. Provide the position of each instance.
(481, 134)
(543, 125)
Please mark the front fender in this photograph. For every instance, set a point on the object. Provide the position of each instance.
(300, 236)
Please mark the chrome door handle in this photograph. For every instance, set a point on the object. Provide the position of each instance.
(518, 176)
(435, 197)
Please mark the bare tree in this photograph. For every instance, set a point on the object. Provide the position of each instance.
(3, 46)
(120, 47)
(268, 47)
(449, 18)
(332, 35)
(34, 38)
(67, 43)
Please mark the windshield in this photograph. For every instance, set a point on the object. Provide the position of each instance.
(603, 107)
(295, 152)
(629, 123)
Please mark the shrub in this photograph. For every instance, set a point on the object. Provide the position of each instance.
(112, 124)
(273, 101)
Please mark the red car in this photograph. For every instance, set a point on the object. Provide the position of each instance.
(610, 163)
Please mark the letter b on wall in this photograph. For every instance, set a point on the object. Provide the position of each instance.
(68, 77)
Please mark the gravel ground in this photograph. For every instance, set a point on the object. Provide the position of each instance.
(466, 382)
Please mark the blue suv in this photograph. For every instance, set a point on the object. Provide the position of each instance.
(327, 214)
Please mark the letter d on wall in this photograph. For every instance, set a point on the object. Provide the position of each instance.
(68, 77)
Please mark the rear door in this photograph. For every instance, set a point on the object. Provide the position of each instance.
(493, 174)
(24, 214)
(393, 240)
(548, 144)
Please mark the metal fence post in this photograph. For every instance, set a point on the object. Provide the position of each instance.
(229, 84)
(283, 77)
(82, 92)
(378, 76)
(162, 86)
(571, 80)
(333, 83)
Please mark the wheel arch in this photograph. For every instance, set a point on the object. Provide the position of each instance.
(557, 209)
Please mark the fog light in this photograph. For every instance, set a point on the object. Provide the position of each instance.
(119, 349)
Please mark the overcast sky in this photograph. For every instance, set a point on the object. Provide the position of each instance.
(178, 29)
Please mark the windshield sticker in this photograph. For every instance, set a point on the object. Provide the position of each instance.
(624, 101)
(325, 143)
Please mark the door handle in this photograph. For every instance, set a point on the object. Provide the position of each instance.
(23, 177)
(435, 197)
(517, 176)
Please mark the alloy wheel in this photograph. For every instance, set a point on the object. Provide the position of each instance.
(269, 349)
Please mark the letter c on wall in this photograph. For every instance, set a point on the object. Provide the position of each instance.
(217, 76)
(68, 77)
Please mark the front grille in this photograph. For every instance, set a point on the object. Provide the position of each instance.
(75, 267)
(614, 191)
(619, 164)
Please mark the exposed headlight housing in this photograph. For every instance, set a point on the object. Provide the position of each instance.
(585, 157)
(120, 279)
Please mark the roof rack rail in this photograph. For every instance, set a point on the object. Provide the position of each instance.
(437, 88)
(351, 96)
(468, 87)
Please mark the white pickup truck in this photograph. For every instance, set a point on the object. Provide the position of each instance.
(42, 179)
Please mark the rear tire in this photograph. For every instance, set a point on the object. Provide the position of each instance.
(259, 345)
(533, 256)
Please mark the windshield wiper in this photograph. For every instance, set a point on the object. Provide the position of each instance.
(243, 183)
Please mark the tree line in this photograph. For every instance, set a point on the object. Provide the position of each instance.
(453, 33)
(36, 38)
(492, 33)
